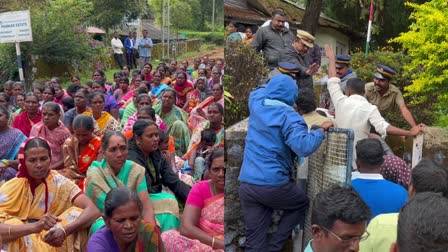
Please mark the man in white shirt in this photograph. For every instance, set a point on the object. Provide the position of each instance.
(353, 111)
(117, 47)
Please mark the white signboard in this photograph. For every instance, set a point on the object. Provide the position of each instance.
(15, 26)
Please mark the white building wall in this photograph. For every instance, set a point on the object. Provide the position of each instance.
(339, 42)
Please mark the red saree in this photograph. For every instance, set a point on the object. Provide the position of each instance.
(182, 92)
(76, 164)
(24, 123)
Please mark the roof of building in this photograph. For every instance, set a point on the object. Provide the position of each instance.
(258, 11)
(154, 32)
(95, 30)
(239, 11)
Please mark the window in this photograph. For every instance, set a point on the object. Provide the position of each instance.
(341, 48)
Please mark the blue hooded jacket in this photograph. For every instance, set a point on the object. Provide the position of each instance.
(276, 134)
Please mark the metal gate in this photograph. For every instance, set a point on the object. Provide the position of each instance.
(330, 164)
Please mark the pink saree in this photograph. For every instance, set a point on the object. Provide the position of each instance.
(211, 221)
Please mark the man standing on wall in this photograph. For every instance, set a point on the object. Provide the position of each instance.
(117, 46)
(272, 39)
(144, 49)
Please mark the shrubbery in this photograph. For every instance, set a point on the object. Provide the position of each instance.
(244, 71)
(427, 47)
(8, 63)
(209, 37)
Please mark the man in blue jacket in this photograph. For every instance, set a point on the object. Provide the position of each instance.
(277, 134)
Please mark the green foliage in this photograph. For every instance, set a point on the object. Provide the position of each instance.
(426, 43)
(180, 14)
(208, 37)
(244, 71)
(390, 18)
(191, 14)
(397, 60)
(109, 13)
(57, 35)
(8, 63)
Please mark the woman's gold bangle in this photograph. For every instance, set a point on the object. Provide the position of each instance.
(63, 230)
(6, 162)
(213, 242)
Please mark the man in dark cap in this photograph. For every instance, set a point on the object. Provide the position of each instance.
(285, 68)
(386, 96)
(296, 53)
(343, 70)
(344, 73)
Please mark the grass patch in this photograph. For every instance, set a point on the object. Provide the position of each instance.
(216, 37)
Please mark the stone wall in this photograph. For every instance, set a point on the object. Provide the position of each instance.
(234, 228)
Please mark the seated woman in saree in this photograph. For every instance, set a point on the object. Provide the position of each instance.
(122, 91)
(7, 103)
(114, 170)
(175, 119)
(214, 122)
(164, 74)
(199, 114)
(202, 87)
(143, 100)
(80, 107)
(80, 150)
(193, 99)
(156, 86)
(20, 100)
(53, 131)
(11, 139)
(183, 87)
(41, 210)
(32, 115)
(110, 104)
(125, 229)
(131, 107)
(106, 122)
(144, 150)
(202, 227)
(146, 72)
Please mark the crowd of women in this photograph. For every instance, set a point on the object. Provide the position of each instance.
(133, 164)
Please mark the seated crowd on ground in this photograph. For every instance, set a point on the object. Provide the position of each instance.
(121, 162)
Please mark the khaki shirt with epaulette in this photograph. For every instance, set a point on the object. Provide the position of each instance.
(390, 101)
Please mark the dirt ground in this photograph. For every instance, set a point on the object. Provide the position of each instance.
(217, 53)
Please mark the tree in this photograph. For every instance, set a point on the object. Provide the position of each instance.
(244, 72)
(426, 43)
(310, 21)
(390, 18)
(58, 36)
(199, 12)
(180, 14)
(110, 13)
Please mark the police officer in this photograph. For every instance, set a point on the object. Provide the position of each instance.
(385, 96)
